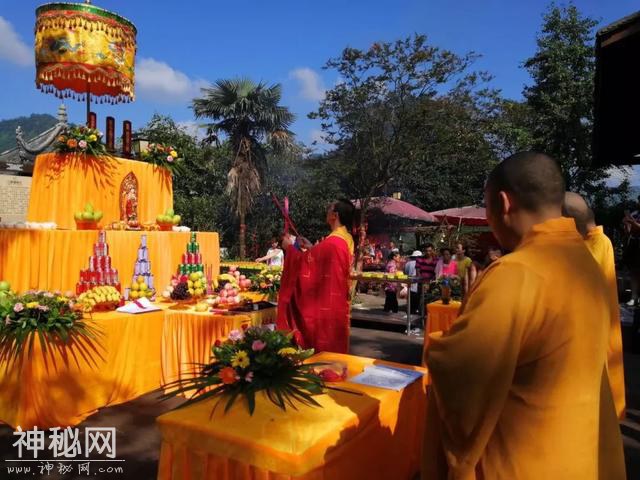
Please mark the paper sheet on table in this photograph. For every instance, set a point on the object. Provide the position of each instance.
(141, 305)
(391, 378)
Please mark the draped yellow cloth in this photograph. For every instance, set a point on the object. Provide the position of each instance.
(188, 337)
(134, 355)
(52, 259)
(519, 381)
(375, 436)
(440, 317)
(600, 247)
(63, 183)
(66, 385)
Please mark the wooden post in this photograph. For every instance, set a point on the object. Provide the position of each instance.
(111, 133)
(126, 139)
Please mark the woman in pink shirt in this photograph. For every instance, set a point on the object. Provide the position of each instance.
(446, 267)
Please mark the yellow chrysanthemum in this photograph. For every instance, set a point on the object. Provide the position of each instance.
(92, 138)
(173, 153)
(283, 352)
(32, 305)
(240, 359)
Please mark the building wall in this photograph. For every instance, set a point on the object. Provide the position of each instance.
(14, 198)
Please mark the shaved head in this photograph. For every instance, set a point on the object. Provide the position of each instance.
(533, 179)
(523, 190)
(576, 207)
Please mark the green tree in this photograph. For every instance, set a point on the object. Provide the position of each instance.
(560, 99)
(384, 103)
(205, 172)
(250, 116)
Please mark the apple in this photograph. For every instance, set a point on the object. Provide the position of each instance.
(223, 294)
(222, 301)
(88, 207)
(237, 273)
(97, 215)
(243, 277)
(159, 218)
(87, 215)
(4, 286)
(78, 216)
(176, 219)
(199, 292)
(200, 274)
(193, 276)
(170, 212)
(143, 287)
(202, 307)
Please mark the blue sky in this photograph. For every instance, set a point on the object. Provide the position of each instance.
(184, 45)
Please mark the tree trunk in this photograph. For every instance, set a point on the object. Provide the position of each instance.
(242, 239)
(358, 257)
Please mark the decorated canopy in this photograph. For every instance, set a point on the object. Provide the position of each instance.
(470, 216)
(397, 208)
(84, 50)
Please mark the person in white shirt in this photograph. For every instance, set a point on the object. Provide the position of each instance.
(274, 256)
(410, 269)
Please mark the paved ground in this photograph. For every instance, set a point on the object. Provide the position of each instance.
(138, 439)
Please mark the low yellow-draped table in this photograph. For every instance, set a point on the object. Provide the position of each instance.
(52, 259)
(376, 435)
(440, 317)
(65, 385)
(63, 183)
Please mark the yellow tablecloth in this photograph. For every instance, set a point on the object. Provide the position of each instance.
(63, 184)
(52, 259)
(374, 436)
(64, 387)
(132, 357)
(440, 316)
(188, 337)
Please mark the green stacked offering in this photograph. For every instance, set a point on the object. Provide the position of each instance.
(88, 215)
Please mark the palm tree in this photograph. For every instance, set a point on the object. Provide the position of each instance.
(248, 114)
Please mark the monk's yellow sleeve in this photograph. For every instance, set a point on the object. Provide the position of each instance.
(472, 367)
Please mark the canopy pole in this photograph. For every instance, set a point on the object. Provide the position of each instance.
(88, 103)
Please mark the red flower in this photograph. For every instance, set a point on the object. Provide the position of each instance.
(228, 375)
(217, 343)
(245, 326)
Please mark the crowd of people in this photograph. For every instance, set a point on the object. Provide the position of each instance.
(432, 265)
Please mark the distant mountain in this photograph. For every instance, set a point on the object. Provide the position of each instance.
(31, 126)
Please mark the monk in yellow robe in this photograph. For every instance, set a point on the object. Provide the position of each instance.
(519, 383)
(600, 247)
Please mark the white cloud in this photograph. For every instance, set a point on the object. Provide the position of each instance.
(311, 85)
(12, 48)
(194, 129)
(160, 82)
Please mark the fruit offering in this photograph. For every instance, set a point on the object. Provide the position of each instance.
(180, 292)
(5, 288)
(228, 296)
(89, 218)
(242, 282)
(100, 298)
(167, 220)
(142, 283)
(100, 271)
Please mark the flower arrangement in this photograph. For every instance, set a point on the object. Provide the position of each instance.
(435, 288)
(164, 156)
(256, 359)
(81, 139)
(268, 280)
(50, 316)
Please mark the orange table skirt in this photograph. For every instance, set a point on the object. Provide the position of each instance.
(130, 359)
(440, 317)
(62, 184)
(188, 337)
(52, 259)
(376, 435)
(64, 387)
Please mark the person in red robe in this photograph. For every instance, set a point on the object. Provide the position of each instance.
(314, 292)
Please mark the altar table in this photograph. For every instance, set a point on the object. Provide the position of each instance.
(135, 355)
(52, 259)
(376, 435)
(64, 183)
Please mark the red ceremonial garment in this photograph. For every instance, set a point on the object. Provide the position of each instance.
(314, 294)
